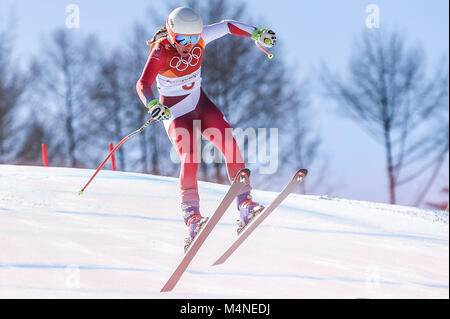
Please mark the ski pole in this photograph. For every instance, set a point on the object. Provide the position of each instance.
(269, 55)
(113, 150)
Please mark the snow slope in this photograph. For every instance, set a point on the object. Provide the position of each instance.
(124, 236)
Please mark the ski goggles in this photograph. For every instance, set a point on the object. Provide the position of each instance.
(184, 40)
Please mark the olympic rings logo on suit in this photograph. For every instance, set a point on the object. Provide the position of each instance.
(181, 64)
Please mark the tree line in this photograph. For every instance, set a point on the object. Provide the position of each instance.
(76, 97)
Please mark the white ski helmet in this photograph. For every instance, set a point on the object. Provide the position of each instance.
(184, 21)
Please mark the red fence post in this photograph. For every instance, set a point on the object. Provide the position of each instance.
(44, 154)
(113, 159)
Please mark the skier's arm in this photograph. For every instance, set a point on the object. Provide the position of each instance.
(144, 84)
(215, 31)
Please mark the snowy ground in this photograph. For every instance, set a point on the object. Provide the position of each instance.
(124, 236)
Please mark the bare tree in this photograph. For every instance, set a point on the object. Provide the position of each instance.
(11, 89)
(60, 92)
(389, 94)
(31, 148)
(107, 105)
(306, 145)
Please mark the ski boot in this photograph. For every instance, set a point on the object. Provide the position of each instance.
(248, 209)
(195, 222)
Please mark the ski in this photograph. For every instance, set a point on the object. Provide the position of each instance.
(240, 180)
(258, 219)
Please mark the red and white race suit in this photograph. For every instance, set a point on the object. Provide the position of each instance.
(179, 85)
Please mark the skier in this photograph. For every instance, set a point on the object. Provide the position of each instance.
(174, 60)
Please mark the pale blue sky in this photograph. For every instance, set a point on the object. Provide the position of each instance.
(309, 33)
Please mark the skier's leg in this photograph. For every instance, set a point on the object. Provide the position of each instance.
(217, 130)
(182, 133)
(183, 137)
